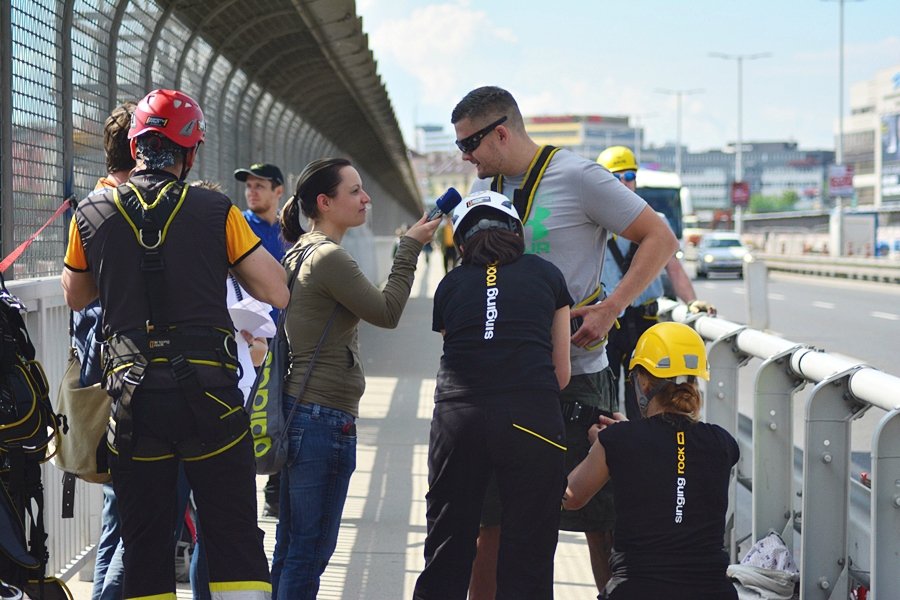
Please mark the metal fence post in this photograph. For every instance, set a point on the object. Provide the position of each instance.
(773, 447)
(725, 359)
(885, 528)
(826, 489)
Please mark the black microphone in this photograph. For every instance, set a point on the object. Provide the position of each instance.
(445, 204)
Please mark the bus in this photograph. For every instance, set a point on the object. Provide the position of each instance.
(663, 192)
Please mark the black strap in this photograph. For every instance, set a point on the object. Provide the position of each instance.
(524, 197)
(312, 361)
(309, 368)
(150, 222)
(123, 435)
(68, 495)
(624, 262)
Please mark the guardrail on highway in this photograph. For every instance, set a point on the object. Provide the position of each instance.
(870, 269)
(841, 541)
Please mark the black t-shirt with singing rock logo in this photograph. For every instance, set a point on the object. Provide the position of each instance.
(671, 492)
(498, 323)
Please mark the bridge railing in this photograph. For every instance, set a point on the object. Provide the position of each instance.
(848, 532)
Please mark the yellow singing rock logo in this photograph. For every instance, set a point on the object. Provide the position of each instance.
(680, 479)
(490, 315)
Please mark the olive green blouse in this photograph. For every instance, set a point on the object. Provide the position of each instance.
(330, 276)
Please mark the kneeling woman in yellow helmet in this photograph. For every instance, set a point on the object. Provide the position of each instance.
(671, 473)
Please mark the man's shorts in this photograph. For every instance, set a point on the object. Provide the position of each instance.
(599, 514)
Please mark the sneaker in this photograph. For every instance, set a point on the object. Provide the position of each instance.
(270, 510)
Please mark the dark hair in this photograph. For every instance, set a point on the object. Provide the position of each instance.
(488, 103)
(675, 397)
(496, 246)
(318, 177)
(115, 138)
(208, 184)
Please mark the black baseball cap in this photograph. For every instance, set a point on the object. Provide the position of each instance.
(262, 170)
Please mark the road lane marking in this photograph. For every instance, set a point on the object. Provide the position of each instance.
(884, 315)
(819, 304)
(776, 296)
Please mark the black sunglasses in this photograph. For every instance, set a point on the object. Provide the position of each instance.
(470, 144)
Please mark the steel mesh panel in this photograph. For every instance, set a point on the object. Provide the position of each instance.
(134, 35)
(90, 71)
(247, 150)
(199, 55)
(228, 112)
(262, 136)
(168, 52)
(37, 160)
(212, 147)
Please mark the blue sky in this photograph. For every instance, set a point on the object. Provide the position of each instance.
(603, 57)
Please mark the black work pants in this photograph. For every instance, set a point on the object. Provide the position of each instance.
(224, 487)
(520, 438)
(619, 347)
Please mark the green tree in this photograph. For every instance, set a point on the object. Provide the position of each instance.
(766, 204)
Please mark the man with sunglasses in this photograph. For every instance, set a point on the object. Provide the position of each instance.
(568, 205)
(640, 315)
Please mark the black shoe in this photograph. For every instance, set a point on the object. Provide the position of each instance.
(270, 510)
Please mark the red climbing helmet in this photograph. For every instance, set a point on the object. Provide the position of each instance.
(170, 113)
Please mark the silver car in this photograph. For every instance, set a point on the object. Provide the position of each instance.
(721, 253)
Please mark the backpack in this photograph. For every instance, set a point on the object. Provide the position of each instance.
(27, 425)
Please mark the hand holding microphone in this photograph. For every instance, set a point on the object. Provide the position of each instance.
(424, 229)
(445, 204)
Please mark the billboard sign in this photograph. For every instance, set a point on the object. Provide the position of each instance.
(740, 193)
(840, 181)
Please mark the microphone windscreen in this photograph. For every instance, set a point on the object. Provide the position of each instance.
(448, 201)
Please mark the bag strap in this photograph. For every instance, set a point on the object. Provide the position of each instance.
(624, 262)
(309, 368)
(312, 361)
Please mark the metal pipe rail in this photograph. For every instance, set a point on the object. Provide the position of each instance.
(843, 391)
(867, 269)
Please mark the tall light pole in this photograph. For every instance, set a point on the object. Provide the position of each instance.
(740, 58)
(637, 134)
(839, 154)
(678, 94)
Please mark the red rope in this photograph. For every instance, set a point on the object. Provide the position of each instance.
(15, 254)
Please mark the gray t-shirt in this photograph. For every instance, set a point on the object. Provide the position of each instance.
(576, 203)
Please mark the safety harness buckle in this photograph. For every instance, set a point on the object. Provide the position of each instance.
(181, 368)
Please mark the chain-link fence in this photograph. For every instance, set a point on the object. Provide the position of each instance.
(65, 64)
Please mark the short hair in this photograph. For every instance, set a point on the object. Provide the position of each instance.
(488, 103)
(115, 138)
(492, 246)
(321, 176)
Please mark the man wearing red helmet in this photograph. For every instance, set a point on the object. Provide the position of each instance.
(157, 251)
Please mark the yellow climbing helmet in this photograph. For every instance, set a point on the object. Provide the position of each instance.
(669, 350)
(618, 158)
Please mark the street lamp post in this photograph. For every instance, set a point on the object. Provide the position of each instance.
(637, 134)
(678, 94)
(739, 157)
(839, 154)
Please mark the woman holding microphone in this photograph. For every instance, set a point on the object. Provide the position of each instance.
(330, 292)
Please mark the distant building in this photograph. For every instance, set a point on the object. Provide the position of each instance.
(438, 171)
(872, 137)
(587, 135)
(771, 169)
(434, 138)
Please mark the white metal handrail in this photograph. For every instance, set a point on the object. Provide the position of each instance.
(843, 391)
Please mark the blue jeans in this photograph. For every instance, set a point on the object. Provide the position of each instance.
(108, 569)
(314, 482)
